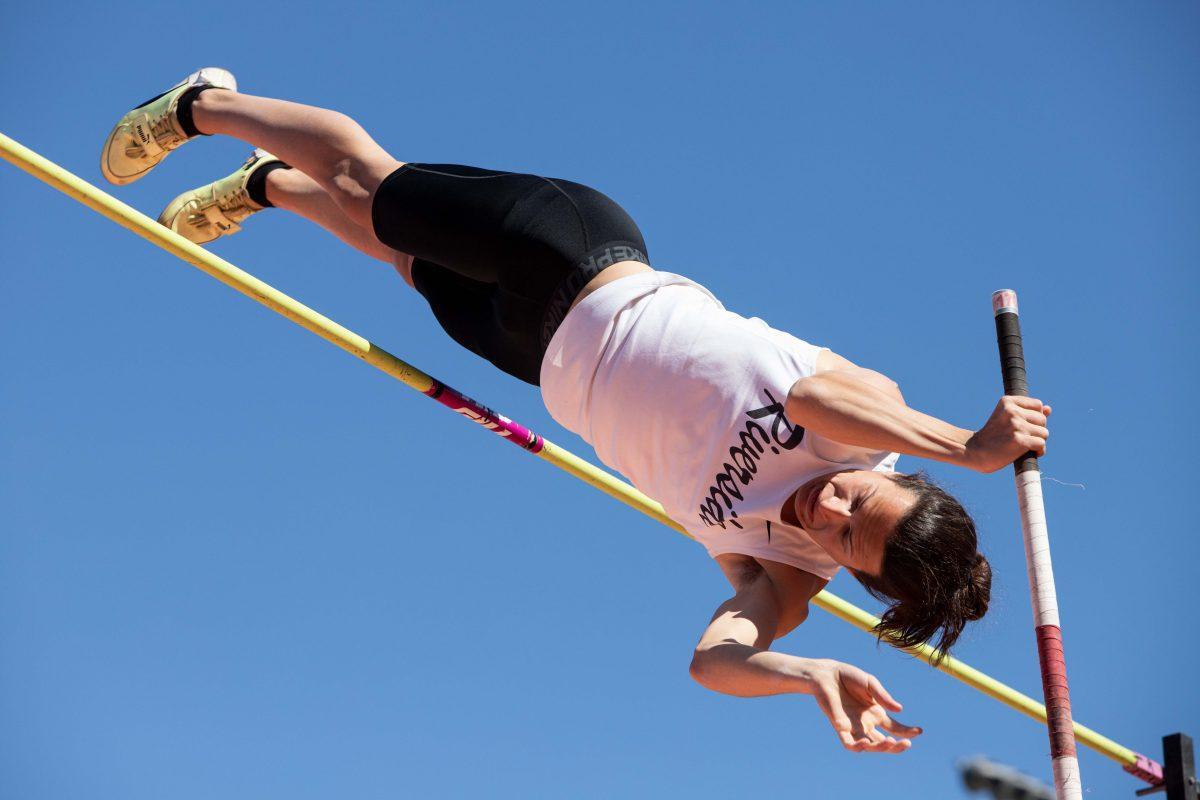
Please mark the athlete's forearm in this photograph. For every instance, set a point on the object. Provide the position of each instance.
(746, 671)
(845, 409)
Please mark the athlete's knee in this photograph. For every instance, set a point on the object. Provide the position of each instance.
(353, 178)
(343, 132)
(354, 163)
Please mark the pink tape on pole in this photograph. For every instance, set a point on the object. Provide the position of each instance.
(1054, 684)
(499, 424)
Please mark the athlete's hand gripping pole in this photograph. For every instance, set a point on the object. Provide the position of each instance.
(1067, 784)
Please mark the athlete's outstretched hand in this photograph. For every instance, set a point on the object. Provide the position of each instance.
(1017, 426)
(857, 705)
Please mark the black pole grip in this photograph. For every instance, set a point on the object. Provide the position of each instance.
(1012, 357)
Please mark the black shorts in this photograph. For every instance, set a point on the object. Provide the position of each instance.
(500, 256)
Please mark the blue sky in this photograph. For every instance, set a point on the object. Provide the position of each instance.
(236, 562)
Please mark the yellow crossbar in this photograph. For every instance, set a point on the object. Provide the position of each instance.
(128, 217)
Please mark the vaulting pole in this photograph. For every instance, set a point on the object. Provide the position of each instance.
(1067, 784)
(108, 206)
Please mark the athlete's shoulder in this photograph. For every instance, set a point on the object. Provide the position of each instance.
(829, 361)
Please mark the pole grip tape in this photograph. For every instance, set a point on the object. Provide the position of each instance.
(1054, 685)
(1012, 357)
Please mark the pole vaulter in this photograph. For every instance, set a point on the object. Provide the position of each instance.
(1179, 780)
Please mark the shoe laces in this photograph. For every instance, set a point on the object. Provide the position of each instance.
(165, 133)
(162, 132)
(233, 199)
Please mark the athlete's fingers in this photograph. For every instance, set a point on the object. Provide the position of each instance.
(865, 728)
(850, 743)
(840, 719)
(895, 745)
(1040, 431)
(880, 744)
(881, 696)
(1029, 402)
(843, 727)
(899, 728)
(1035, 417)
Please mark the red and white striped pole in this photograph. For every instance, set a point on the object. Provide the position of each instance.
(1067, 785)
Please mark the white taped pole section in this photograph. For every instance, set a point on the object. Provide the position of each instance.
(1067, 783)
(1037, 547)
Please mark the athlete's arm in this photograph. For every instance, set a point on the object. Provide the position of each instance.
(732, 658)
(861, 407)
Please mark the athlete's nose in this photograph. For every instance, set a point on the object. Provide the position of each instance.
(834, 507)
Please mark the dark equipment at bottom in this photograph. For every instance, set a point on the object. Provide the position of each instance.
(1179, 770)
(1002, 782)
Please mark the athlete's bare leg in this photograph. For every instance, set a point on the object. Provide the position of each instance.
(292, 190)
(328, 146)
(334, 151)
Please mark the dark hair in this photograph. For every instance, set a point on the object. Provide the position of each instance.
(932, 572)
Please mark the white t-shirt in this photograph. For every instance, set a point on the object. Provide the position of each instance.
(686, 399)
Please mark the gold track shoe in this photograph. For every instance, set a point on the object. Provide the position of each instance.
(145, 135)
(218, 209)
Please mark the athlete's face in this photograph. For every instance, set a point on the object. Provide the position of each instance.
(851, 514)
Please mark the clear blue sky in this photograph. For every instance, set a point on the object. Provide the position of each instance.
(235, 562)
